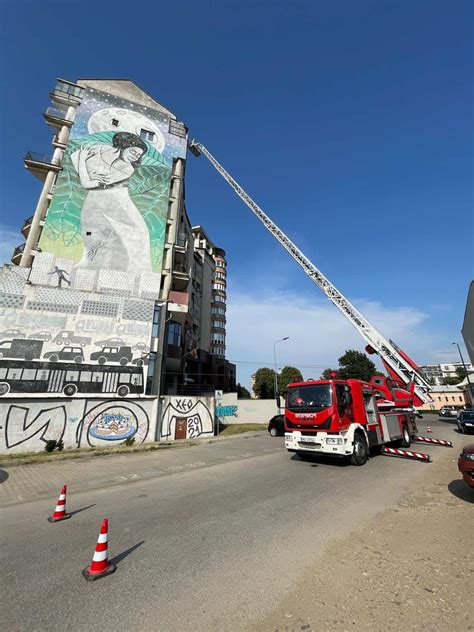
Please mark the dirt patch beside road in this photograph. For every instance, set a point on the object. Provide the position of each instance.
(410, 568)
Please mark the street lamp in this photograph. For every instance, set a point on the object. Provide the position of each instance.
(469, 388)
(277, 399)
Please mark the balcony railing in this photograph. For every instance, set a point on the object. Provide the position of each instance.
(17, 253)
(59, 114)
(26, 224)
(32, 156)
(69, 91)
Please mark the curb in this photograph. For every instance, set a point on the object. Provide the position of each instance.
(33, 458)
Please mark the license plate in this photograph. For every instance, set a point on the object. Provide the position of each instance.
(308, 440)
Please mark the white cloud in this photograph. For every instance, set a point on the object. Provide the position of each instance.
(9, 239)
(319, 333)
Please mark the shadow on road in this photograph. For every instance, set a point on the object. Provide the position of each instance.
(461, 490)
(121, 556)
(73, 513)
(3, 476)
(320, 459)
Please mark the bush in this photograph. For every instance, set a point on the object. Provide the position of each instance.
(53, 445)
(129, 442)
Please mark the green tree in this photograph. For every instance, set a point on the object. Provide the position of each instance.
(242, 392)
(288, 374)
(461, 373)
(451, 381)
(356, 365)
(326, 374)
(265, 383)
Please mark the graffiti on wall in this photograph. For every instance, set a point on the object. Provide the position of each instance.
(28, 425)
(187, 418)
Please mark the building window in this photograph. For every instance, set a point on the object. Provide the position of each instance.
(218, 299)
(174, 334)
(156, 321)
(114, 122)
(147, 135)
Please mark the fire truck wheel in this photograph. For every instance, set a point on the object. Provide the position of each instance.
(361, 450)
(406, 439)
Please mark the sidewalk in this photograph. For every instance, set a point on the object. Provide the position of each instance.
(23, 483)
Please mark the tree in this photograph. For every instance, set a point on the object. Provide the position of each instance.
(356, 365)
(451, 381)
(326, 374)
(461, 373)
(242, 392)
(265, 383)
(288, 374)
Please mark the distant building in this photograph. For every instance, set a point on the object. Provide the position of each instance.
(436, 373)
(468, 324)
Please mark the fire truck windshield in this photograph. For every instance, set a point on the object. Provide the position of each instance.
(309, 397)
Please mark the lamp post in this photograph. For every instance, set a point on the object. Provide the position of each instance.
(277, 398)
(469, 387)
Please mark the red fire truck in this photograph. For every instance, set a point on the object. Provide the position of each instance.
(347, 418)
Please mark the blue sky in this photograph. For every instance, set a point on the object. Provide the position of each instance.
(349, 122)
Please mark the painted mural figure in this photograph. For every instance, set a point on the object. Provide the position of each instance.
(114, 233)
(61, 276)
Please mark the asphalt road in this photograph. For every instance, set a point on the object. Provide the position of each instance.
(210, 546)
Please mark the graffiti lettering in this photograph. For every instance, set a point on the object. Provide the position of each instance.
(227, 411)
(184, 405)
(50, 422)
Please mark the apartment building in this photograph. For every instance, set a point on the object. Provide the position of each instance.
(436, 373)
(103, 280)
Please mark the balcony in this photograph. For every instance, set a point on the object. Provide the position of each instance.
(17, 253)
(67, 94)
(40, 164)
(57, 118)
(25, 230)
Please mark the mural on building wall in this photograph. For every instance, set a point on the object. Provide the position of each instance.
(110, 201)
(187, 418)
(28, 425)
(70, 341)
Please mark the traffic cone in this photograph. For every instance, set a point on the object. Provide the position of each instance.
(428, 429)
(60, 511)
(100, 565)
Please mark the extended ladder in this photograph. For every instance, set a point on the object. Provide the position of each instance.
(388, 351)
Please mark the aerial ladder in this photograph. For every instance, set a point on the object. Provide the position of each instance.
(397, 362)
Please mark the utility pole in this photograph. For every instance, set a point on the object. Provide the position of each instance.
(469, 387)
(277, 396)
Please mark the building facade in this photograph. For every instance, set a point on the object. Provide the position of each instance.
(436, 373)
(98, 298)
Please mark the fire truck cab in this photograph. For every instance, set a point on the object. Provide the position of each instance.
(342, 418)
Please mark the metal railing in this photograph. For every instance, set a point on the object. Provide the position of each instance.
(27, 222)
(32, 156)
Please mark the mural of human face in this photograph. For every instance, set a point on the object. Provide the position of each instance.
(132, 154)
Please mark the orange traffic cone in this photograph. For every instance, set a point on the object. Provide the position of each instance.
(100, 565)
(60, 511)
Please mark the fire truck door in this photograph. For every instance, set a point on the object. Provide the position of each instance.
(373, 428)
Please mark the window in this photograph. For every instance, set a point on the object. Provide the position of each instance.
(147, 135)
(72, 376)
(14, 374)
(156, 321)
(217, 298)
(97, 376)
(28, 374)
(86, 376)
(124, 378)
(114, 122)
(174, 334)
(218, 286)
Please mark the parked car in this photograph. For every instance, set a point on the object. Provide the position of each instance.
(276, 425)
(115, 342)
(12, 333)
(466, 464)
(141, 361)
(449, 411)
(45, 336)
(122, 355)
(68, 354)
(465, 421)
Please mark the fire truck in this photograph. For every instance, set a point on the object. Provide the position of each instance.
(368, 418)
(347, 418)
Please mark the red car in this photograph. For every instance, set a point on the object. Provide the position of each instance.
(466, 464)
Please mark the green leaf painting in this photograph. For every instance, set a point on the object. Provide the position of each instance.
(148, 187)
